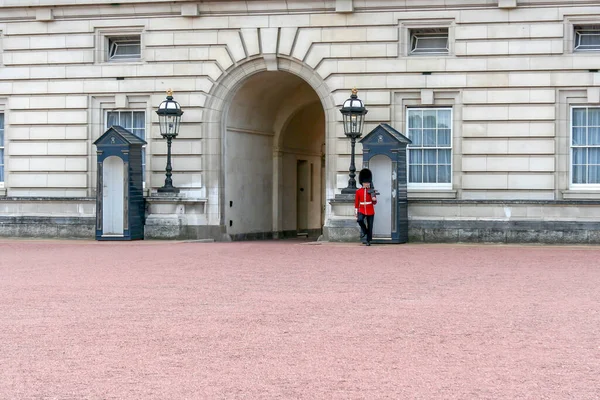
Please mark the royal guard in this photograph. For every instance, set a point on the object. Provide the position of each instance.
(364, 201)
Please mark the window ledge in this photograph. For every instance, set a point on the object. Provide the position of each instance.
(429, 54)
(431, 194)
(121, 62)
(2, 192)
(589, 194)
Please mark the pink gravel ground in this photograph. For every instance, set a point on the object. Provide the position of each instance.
(295, 320)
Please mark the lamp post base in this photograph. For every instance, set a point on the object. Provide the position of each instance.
(167, 189)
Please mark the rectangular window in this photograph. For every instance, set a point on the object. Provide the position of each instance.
(1, 148)
(430, 154)
(587, 38)
(133, 121)
(585, 146)
(122, 48)
(429, 41)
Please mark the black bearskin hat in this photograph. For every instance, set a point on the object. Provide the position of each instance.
(365, 176)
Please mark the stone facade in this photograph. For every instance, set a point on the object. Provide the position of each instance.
(261, 84)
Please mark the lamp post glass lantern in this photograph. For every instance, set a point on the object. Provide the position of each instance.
(169, 115)
(353, 112)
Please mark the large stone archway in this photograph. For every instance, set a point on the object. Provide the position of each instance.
(269, 131)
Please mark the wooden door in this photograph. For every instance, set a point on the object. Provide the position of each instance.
(302, 190)
(113, 204)
(381, 167)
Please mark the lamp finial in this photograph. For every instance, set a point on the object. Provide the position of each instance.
(354, 91)
(169, 92)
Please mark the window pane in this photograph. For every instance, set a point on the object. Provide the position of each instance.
(429, 156)
(444, 137)
(429, 41)
(578, 174)
(440, 43)
(1, 165)
(414, 119)
(579, 156)
(416, 136)
(443, 119)
(593, 117)
(138, 119)
(138, 124)
(444, 174)
(125, 120)
(112, 118)
(594, 174)
(594, 156)
(587, 40)
(594, 136)
(124, 47)
(429, 137)
(416, 157)
(429, 119)
(416, 174)
(579, 137)
(128, 49)
(579, 116)
(444, 156)
(429, 174)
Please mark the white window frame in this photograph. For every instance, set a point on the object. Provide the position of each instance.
(407, 27)
(430, 185)
(572, 185)
(131, 129)
(115, 41)
(424, 33)
(104, 37)
(576, 35)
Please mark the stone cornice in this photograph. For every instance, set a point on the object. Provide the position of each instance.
(293, 6)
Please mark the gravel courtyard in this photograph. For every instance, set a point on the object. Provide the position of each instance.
(297, 320)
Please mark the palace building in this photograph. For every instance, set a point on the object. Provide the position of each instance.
(500, 99)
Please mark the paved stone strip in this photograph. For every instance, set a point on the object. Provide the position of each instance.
(297, 320)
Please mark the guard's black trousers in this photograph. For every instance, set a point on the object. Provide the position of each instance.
(366, 225)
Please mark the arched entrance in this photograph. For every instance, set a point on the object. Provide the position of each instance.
(274, 144)
(225, 101)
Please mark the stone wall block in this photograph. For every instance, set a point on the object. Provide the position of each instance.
(305, 39)
(268, 40)
(485, 181)
(485, 146)
(528, 112)
(251, 41)
(531, 146)
(530, 181)
(221, 56)
(287, 37)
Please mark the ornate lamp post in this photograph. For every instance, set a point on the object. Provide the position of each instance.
(353, 112)
(169, 115)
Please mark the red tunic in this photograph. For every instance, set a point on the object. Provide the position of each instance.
(363, 202)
